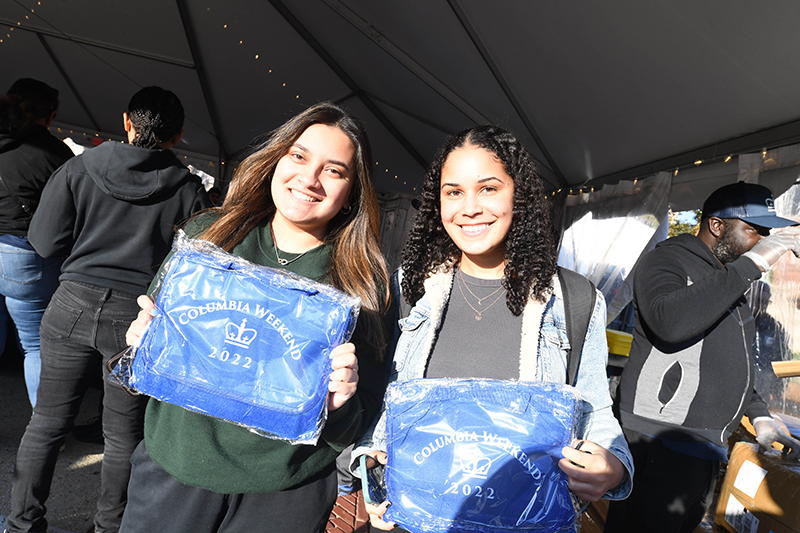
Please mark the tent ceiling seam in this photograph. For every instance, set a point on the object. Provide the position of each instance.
(315, 45)
(407, 61)
(208, 96)
(484, 53)
(68, 81)
(406, 112)
(97, 44)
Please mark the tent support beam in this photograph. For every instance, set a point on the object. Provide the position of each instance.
(407, 61)
(202, 77)
(774, 137)
(406, 112)
(351, 84)
(96, 44)
(68, 81)
(476, 40)
(410, 114)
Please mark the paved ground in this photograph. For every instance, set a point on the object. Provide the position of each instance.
(76, 483)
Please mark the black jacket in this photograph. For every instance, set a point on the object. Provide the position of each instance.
(112, 212)
(27, 160)
(690, 374)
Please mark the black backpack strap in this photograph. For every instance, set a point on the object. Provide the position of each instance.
(579, 299)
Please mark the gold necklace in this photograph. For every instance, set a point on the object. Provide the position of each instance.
(480, 300)
(479, 314)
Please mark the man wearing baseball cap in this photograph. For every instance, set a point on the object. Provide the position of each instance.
(690, 375)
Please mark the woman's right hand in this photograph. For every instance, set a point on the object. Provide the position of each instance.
(376, 511)
(134, 334)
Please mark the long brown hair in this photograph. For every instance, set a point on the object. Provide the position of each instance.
(356, 266)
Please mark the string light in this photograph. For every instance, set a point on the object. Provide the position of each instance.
(728, 158)
(675, 173)
(698, 162)
(763, 153)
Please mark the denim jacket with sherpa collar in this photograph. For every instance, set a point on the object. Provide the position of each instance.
(543, 357)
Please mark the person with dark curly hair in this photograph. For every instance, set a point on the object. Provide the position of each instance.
(483, 237)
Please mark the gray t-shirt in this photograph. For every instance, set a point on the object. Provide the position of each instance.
(467, 347)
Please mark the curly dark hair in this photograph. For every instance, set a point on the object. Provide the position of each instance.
(530, 249)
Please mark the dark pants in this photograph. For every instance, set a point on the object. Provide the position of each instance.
(83, 327)
(160, 503)
(671, 491)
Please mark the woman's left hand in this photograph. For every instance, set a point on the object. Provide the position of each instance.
(344, 377)
(592, 470)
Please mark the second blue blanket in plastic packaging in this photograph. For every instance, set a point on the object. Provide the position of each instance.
(479, 455)
(244, 343)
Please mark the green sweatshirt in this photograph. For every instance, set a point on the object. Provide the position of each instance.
(213, 454)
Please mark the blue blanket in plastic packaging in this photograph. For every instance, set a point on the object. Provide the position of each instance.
(479, 455)
(242, 342)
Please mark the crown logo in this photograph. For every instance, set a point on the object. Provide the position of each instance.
(476, 466)
(239, 335)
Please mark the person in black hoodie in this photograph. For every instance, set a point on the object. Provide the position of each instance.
(112, 212)
(29, 154)
(690, 376)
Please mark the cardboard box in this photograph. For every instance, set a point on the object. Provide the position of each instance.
(760, 493)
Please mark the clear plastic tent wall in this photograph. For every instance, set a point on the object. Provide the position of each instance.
(775, 300)
(605, 231)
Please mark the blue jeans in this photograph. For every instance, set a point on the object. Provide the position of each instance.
(27, 281)
(83, 327)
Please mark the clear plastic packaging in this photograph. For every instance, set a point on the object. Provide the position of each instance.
(241, 342)
(479, 455)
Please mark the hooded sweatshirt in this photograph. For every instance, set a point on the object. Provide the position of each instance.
(689, 377)
(27, 160)
(112, 211)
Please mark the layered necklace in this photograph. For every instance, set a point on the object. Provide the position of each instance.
(478, 312)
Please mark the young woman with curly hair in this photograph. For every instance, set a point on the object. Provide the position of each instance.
(484, 235)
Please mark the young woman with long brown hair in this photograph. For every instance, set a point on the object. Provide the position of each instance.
(303, 202)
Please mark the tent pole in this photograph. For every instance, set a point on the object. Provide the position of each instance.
(68, 81)
(191, 38)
